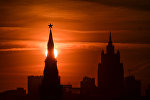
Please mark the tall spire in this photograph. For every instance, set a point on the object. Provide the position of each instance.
(50, 88)
(110, 41)
(110, 47)
(50, 44)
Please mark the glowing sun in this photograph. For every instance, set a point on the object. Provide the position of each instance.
(55, 53)
(46, 52)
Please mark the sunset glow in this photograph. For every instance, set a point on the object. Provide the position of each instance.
(73, 34)
(55, 53)
(46, 52)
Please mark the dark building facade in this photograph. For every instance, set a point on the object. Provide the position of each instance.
(50, 88)
(87, 86)
(18, 94)
(132, 87)
(34, 83)
(110, 71)
(147, 91)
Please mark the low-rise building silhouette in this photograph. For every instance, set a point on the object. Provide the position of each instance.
(67, 89)
(87, 86)
(18, 94)
(132, 87)
(34, 83)
(147, 92)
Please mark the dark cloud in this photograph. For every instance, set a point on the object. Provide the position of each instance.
(10, 46)
(134, 4)
(25, 2)
(28, 19)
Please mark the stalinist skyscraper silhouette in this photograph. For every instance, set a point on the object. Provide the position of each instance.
(110, 71)
(50, 88)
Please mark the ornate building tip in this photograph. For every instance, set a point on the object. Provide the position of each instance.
(50, 26)
(110, 37)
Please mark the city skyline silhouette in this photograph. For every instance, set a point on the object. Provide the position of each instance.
(110, 77)
(86, 37)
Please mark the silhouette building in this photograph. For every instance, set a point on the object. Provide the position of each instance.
(110, 71)
(132, 87)
(50, 88)
(18, 94)
(147, 91)
(87, 86)
(67, 89)
(34, 83)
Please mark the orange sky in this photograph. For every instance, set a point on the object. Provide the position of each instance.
(80, 31)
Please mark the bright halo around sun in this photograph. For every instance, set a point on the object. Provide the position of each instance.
(46, 52)
(55, 53)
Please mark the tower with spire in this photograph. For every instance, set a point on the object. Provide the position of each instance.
(50, 88)
(110, 71)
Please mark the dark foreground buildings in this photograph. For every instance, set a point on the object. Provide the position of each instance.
(132, 87)
(111, 82)
(87, 86)
(18, 94)
(34, 83)
(50, 88)
(110, 71)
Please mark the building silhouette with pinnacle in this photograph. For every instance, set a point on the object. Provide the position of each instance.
(110, 71)
(111, 82)
(50, 88)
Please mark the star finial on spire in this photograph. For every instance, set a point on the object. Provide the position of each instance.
(50, 26)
